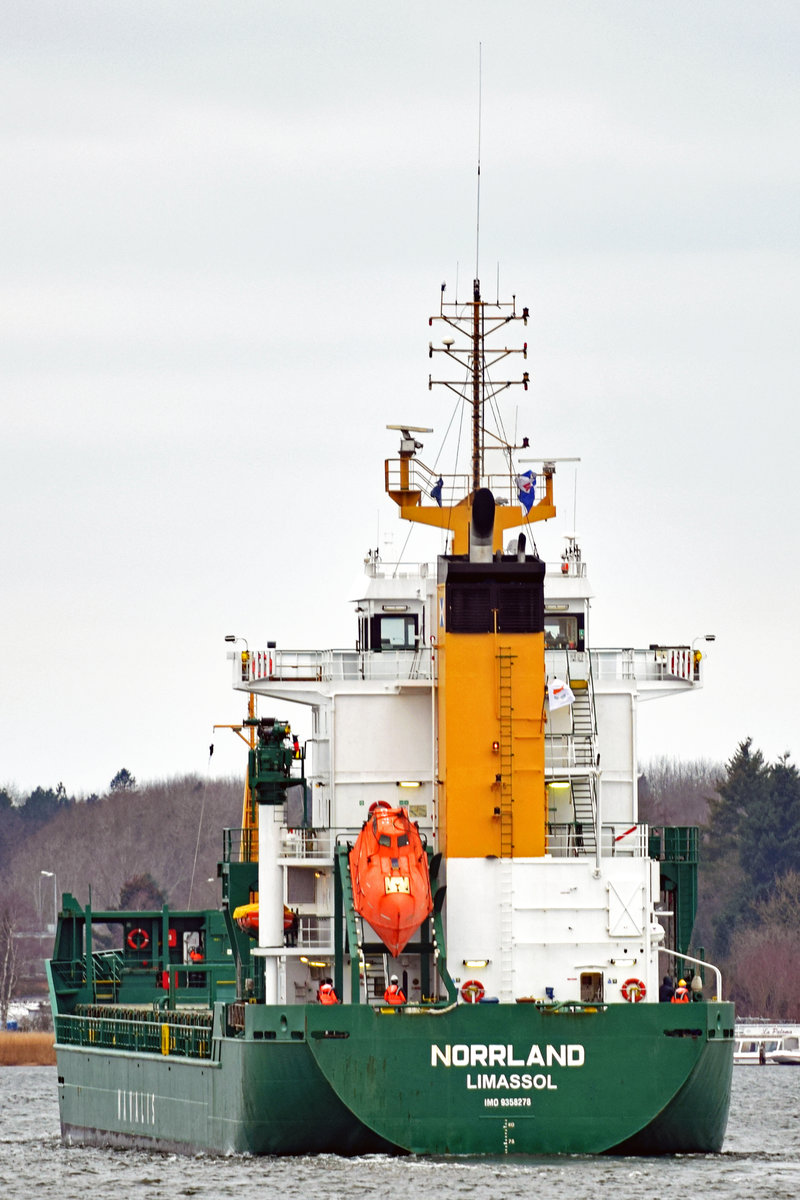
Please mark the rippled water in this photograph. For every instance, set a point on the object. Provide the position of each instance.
(761, 1158)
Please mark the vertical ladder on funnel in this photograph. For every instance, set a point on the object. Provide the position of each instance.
(506, 712)
(506, 662)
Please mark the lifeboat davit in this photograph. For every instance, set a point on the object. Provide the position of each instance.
(390, 877)
(246, 917)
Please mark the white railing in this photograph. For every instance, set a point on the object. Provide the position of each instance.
(379, 568)
(563, 752)
(659, 664)
(628, 841)
(568, 664)
(287, 666)
(698, 962)
(307, 844)
(631, 841)
(315, 933)
(554, 570)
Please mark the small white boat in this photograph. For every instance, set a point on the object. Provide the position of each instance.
(764, 1043)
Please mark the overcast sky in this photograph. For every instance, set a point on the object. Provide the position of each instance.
(224, 228)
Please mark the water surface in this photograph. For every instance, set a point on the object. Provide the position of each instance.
(761, 1158)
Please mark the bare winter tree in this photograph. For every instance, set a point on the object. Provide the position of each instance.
(672, 792)
(8, 963)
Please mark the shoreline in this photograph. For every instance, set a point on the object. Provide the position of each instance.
(22, 1049)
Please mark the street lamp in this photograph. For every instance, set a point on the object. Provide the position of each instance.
(52, 875)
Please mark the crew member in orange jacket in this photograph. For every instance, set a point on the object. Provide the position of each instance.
(681, 993)
(326, 993)
(394, 994)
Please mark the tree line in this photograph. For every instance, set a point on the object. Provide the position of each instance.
(130, 847)
(748, 919)
(135, 847)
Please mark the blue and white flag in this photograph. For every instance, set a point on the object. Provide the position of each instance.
(527, 490)
(436, 491)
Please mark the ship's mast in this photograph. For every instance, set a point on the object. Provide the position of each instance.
(470, 341)
(477, 379)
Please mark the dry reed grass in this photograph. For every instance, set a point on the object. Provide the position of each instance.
(27, 1049)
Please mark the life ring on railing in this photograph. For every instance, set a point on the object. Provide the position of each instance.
(633, 990)
(472, 991)
(138, 939)
(379, 804)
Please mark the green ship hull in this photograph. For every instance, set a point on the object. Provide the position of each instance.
(476, 1080)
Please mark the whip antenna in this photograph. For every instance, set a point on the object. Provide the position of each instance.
(478, 205)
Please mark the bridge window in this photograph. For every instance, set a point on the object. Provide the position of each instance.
(563, 631)
(394, 632)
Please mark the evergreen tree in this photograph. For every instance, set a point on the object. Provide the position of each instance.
(123, 781)
(41, 806)
(742, 792)
(752, 841)
(770, 833)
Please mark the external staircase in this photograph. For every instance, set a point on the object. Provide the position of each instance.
(573, 755)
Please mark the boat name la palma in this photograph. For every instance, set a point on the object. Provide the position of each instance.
(497, 1055)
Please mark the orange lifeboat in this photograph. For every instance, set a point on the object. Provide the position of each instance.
(389, 873)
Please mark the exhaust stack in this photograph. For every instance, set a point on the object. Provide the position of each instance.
(481, 528)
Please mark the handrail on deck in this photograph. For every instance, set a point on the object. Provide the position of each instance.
(698, 962)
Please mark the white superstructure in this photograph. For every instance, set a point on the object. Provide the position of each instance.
(578, 923)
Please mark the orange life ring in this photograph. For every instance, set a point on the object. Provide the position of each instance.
(633, 990)
(138, 939)
(472, 991)
(379, 804)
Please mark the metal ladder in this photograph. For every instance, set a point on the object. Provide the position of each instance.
(354, 924)
(506, 711)
(584, 786)
(506, 663)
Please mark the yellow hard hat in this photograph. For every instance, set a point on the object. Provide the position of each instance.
(681, 983)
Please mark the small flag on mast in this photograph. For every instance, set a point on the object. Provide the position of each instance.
(527, 490)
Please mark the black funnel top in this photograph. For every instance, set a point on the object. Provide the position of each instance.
(483, 515)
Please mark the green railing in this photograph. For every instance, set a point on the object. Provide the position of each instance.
(185, 1035)
(107, 966)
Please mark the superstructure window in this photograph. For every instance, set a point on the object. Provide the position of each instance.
(563, 631)
(395, 632)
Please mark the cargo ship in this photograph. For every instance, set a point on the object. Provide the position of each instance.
(443, 928)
